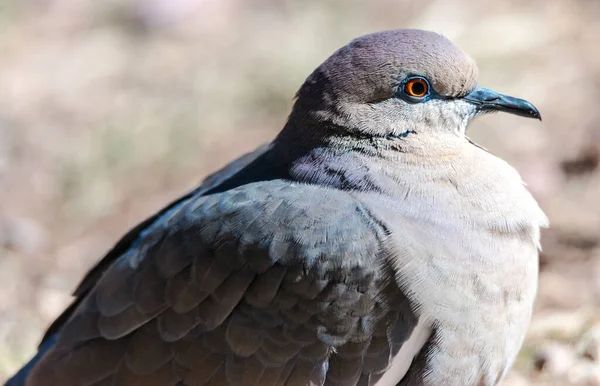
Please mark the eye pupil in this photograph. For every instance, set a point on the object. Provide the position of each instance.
(416, 88)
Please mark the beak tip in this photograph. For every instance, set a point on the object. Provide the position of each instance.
(536, 114)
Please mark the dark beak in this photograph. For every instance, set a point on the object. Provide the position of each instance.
(488, 100)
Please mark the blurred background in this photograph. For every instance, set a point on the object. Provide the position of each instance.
(109, 109)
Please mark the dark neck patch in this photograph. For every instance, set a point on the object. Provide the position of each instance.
(401, 135)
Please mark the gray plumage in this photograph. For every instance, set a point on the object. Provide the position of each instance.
(371, 243)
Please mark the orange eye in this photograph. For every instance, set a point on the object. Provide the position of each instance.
(416, 87)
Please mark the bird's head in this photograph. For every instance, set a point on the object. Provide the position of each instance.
(396, 83)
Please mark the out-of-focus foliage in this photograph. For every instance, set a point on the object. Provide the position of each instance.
(110, 108)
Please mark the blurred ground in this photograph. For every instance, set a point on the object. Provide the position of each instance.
(110, 108)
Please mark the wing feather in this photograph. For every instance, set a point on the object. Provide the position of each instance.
(257, 285)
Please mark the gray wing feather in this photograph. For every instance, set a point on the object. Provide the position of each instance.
(267, 284)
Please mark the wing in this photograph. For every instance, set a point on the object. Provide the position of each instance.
(271, 283)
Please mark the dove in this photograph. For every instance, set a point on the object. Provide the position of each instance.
(371, 243)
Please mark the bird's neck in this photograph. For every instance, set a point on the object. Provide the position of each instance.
(330, 157)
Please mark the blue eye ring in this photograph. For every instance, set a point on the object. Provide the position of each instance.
(415, 89)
